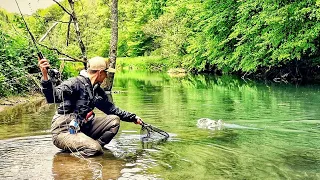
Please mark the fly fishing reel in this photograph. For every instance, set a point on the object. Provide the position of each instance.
(55, 76)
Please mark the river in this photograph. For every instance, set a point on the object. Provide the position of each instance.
(281, 141)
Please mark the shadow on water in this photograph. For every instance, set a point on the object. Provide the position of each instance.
(65, 166)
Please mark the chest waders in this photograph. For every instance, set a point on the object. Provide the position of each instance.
(83, 102)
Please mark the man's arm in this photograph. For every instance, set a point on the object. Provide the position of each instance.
(53, 94)
(57, 94)
(107, 107)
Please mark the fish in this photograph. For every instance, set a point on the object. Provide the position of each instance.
(206, 123)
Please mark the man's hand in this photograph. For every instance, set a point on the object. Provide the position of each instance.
(138, 120)
(44, 65)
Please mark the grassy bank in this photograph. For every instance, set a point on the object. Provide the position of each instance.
(150, 63)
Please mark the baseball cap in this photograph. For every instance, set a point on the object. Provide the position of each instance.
(100, 63)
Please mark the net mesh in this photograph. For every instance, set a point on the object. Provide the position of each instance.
(152, 133)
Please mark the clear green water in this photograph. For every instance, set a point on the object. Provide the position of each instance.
(285, 145)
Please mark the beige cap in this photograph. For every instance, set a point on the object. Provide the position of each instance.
(99, 63)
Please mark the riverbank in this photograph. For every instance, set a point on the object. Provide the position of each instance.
(18, 116)
(294, 72)
(12, 101)
(147, 63)
(284, 74)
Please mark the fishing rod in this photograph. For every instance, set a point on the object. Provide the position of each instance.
(55, 76)
(53, 73)
(40, 55)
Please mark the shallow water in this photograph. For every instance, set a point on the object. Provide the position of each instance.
(281, 141)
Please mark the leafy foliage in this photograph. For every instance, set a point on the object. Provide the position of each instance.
(150, 63)
(235, 36)
(231, 36)
(18, 59)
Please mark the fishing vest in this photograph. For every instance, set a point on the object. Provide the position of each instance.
(81, 102)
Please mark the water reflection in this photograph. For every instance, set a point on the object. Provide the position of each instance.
(26, 158)
(280, 112)
(26, 119)
(36, 157)
(65, 166)
(282, 142)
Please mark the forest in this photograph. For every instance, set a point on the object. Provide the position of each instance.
(275, 40)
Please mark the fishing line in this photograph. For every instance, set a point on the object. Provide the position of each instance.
(43, 22)
(54, 98)
(31, 35)
(89, 162)
(49, 34)
(78, 155)
(31, 10)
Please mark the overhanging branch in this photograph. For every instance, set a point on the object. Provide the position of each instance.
(63, 8)
(67, 59)
(61, 53)
(73, 18)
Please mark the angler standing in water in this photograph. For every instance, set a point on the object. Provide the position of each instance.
(74, 126)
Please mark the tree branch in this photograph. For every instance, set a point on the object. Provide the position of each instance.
(63, 8)
(68, 31)
(45, 35)
(76, 26)
(65, 22)
(61, 53)
(67, 59)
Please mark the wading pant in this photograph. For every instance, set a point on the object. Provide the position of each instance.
(93, 135)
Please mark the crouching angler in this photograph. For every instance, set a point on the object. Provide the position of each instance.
(74, 126)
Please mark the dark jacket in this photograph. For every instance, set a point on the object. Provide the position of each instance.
(76, 95)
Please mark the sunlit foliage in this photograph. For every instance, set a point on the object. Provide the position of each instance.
(265, 38)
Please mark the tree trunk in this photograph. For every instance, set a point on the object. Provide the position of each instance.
(113, 43)
(76, 27)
